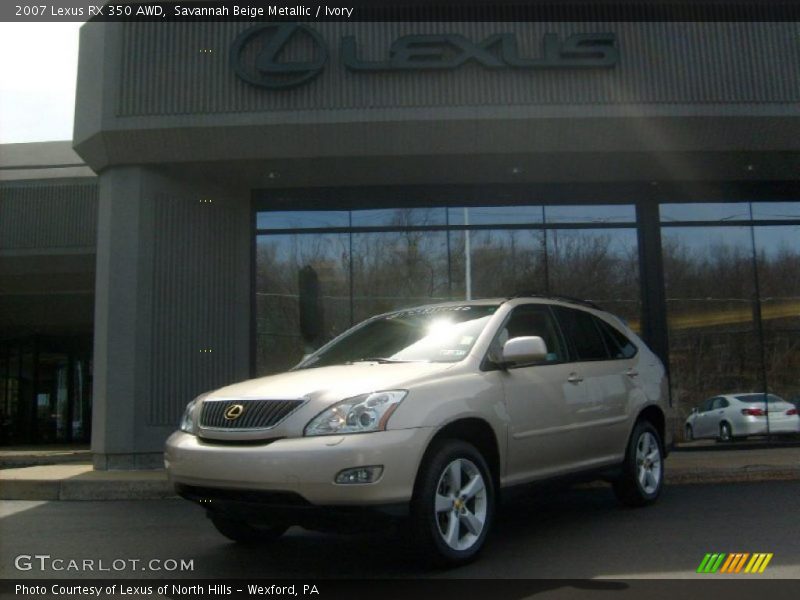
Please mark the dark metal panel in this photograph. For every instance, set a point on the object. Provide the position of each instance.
(40, 215)
(183, 69)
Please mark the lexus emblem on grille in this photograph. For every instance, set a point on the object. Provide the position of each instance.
(234, 411)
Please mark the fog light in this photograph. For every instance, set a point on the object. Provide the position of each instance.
(360, 474)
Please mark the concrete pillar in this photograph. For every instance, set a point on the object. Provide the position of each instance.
(171, 309)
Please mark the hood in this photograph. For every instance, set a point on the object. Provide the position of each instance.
(333, 383)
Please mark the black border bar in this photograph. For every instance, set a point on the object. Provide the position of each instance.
(408, 11)
(701, 586)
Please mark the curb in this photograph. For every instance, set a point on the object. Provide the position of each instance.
(35, 461)
(742, 475)
(81, 482)
(158, 488)
(84, 490)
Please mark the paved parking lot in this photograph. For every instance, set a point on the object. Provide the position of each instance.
(579, 533)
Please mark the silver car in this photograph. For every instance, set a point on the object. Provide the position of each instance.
(429, 414)
(735, 416)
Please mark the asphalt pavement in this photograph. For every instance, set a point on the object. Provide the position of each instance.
(575, 533)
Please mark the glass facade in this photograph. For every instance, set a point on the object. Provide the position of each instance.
(45, 390)
(319, 272)
(732, 278)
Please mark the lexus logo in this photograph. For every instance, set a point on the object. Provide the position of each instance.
(234, 411)
(256, 55)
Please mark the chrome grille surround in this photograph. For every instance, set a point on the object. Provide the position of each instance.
(258, 414)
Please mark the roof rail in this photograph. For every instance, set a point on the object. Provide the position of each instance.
(568, 299)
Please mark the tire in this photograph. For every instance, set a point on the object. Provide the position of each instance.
(642, 475)
(725, 432)
(452, 508)
(689, 433)
(244, 533)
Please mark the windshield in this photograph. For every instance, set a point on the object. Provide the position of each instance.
(431, 334)
(758, 398)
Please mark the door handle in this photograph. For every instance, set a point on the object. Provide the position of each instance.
(574, 378)
(632, 373)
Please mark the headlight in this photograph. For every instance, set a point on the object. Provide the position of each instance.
(188, 418)
(368, 412)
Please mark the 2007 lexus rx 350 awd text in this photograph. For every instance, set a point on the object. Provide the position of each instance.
(428, 414)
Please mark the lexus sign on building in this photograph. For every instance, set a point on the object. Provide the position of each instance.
(264, 68)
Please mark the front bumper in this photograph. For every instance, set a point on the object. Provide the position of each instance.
(304, 467)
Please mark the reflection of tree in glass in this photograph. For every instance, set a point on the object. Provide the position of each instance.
(403, 268)
(599, 266)
(504, 262)
(711, 299)
(279, 258)
(398, 269)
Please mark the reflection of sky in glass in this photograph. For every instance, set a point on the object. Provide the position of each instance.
(399, 217)
(704, 238)
(622, 241)
(297, 219)
(496, 215)
(776, 210)
(522, 215)
(501, 238)
(623, 213)
(769, 239)
(772, 240)
(713, 211)
(301, 249)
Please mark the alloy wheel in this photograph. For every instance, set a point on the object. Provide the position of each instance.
(461, 504)
(648, 462)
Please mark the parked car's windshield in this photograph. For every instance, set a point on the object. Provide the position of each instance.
(427, 334)
(754, 398)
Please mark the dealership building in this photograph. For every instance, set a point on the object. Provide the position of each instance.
(238, 193)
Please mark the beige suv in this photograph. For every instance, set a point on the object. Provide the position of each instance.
(428, 414)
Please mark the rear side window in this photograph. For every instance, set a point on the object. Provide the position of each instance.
(719, 403)
(706, 405)
(582, 333)
(618, 345)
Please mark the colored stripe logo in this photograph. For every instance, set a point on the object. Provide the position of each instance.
(738, 562)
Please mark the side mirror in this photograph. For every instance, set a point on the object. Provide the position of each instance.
(524, 349)
(693, 411)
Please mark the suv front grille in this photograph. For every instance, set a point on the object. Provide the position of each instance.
(254, 414)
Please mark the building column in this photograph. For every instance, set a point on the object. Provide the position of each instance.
(116, 301)
(651, 276)
(171, 306)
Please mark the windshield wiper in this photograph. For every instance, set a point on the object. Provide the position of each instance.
(378, 359)
(384, 361)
